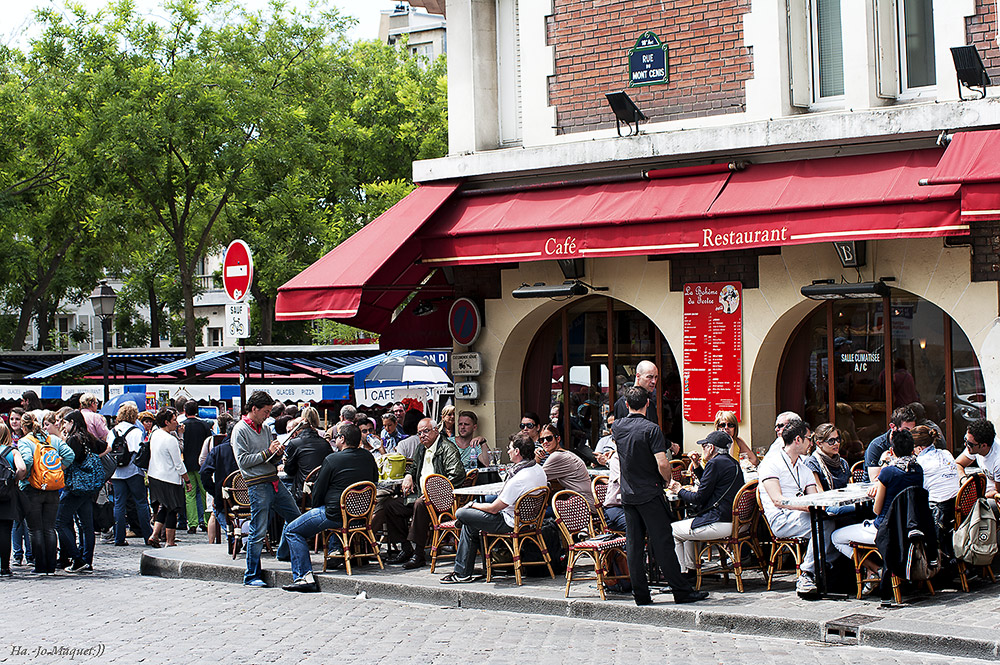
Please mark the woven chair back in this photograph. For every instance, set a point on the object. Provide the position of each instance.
(599, 487)
(573, 513)
(357, 502)
(745, 504)
(438, 492)
(859, 474)
(529, 509)
(965, 500)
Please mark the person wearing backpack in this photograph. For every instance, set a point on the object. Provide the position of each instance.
(45, 456)
(84, 478)
(12, 469)
(128, 480)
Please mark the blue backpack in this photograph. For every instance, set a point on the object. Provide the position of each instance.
(86, 477)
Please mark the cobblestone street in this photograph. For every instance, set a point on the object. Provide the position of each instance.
(115, 615)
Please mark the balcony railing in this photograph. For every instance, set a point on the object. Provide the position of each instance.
(208, 282)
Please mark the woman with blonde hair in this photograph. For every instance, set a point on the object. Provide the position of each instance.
(41, 503)
(9, 509)
(447, 426)
(727, 422)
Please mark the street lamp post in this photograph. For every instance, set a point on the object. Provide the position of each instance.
(103, 299)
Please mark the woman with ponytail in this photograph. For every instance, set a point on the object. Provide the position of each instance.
(40, 489)
(75, 503)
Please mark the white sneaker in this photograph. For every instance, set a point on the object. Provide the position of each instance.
(806, 584)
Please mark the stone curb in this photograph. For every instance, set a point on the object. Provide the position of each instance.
(885, 634)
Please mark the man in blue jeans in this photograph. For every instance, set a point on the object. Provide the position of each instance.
(352, 464)
(498, 516)
(257, 457)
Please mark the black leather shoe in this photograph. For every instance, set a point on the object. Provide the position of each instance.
(690, 597)
(302, 586)
(402, 557)
(644, 601)
(416, 561)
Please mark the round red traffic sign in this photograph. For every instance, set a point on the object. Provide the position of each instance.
(237, 270)
(464, 322)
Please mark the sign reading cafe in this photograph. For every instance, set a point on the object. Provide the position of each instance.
(647, 61)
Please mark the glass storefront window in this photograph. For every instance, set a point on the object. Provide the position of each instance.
(594, 362)
(855, 330)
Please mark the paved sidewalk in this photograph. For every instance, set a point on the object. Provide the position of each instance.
(952, 622)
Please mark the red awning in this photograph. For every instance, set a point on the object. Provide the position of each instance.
(971, 160)
(970, 157)
(364, 279)
(850, 198)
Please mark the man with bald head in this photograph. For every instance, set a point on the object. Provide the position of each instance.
(646, 377)
(437, 455)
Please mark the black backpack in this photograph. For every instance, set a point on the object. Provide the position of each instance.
(8, 485)
(142, 457)
(119, 447)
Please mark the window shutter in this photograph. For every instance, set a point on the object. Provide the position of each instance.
(886, 50)
(799, 60)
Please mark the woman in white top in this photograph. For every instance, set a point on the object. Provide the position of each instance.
(941, 480)
(168, 477)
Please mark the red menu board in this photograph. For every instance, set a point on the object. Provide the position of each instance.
(713, 349)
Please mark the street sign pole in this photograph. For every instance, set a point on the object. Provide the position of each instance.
(237, 278)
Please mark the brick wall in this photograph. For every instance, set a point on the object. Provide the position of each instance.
(985, 238)
(981, 30)
(708, 64)
(736, 265)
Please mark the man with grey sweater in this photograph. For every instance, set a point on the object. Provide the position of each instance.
(257, 456)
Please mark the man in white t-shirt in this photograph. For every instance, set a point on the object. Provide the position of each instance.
(496, 517)
(783, 475)
(983, 449)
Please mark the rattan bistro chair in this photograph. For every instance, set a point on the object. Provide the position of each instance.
(237, 510)
(744, 535)
(357, 504)
(439, 499)
(972, 489)
(529, 511)
(577, 528)
(793, 546)
(859, 473)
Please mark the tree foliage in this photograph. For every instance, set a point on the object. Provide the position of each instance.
(135, 146)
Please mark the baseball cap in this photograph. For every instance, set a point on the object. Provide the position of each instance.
(717, 438)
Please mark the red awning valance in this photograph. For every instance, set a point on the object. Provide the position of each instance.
(851, 198)
(971, 160)
(365, 278)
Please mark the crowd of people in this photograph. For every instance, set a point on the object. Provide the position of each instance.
(164, 471)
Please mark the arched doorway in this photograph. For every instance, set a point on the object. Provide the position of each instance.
(600, 340)
(930, 362)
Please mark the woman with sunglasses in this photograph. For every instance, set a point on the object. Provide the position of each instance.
(831, 470)
(560, 465)
(529, 425)
(727, 422)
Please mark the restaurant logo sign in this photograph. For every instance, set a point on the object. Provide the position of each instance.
(647, 61)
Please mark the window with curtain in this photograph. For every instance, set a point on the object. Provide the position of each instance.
(827, 49)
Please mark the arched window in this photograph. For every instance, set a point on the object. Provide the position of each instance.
(600, 341)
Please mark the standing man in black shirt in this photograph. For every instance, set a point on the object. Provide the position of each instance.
(196, 431)
(646, 376)
(645, 468)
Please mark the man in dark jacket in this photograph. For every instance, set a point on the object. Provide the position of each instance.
(438, 455)
(196, 431)
(352, 464)
(712, 503)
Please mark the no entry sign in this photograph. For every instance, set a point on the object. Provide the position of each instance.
(237, 270)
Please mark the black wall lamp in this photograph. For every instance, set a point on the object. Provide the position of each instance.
(625, 111)
(826, 289)
(970, 71)
(571, 287)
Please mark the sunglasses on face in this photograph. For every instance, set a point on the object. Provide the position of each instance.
(546, 439)
(725, 426)
(835, 439)
(528, 425)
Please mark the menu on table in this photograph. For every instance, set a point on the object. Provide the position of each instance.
(713, 349)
